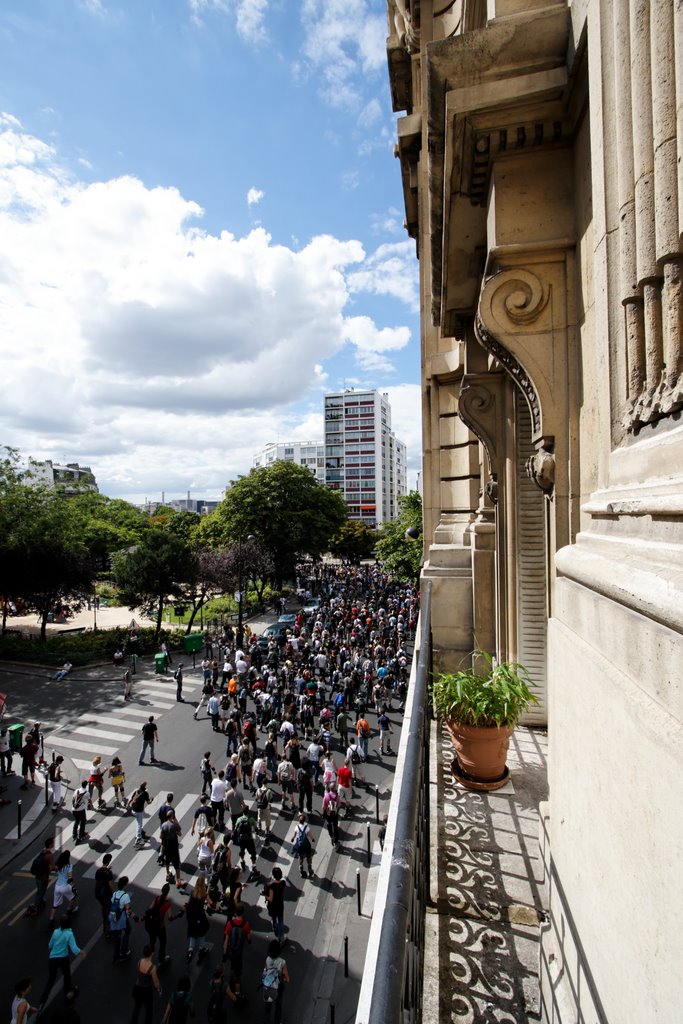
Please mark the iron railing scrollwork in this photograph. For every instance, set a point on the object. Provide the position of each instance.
(392, 979)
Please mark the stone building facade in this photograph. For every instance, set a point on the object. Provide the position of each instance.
(541, 154)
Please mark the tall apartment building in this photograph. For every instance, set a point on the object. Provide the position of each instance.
(310, 454)
(363, 457)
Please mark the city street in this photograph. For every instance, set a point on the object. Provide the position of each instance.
(86, 715)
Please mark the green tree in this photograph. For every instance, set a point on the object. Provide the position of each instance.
(285, 508)
(354, 539)
(45, 562)
(155, 570)
(395, 551)
(108, 525)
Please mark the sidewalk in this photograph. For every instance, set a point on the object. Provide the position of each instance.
(487, 889)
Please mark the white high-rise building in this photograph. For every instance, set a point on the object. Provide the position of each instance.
(363, 457)
(310, 454)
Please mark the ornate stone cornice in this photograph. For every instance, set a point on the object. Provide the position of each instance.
(481, 408)
(513, 368)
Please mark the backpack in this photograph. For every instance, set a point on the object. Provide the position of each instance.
(235, 940)
(302, 843)
(117, 914)
(205, 767)
(38, 864)
(355, 756)
(230, 772)
(262, 798)
(270, 982)
(77, 799)
(243, 830)
(301, 778)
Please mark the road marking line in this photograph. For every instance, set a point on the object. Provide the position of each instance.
(86, 730)
(187, 841)
(64, 741)
(17, 905)
(127, 710)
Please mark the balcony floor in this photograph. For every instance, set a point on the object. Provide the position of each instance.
(487, 889)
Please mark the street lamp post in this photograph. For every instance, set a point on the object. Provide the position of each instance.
(239, 596)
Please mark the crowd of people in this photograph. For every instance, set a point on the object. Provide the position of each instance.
(292, 713)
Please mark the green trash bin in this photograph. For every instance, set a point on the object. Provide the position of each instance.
(193, 642)
(16, 737)
(159, 663)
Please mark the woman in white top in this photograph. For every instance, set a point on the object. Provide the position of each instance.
(64, 891)
(20, 1005)
(329, 767)
(205, 848)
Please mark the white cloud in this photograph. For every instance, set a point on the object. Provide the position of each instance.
(344, 40)
(93, 6)
(85, 163)
(350, 180)
(391, 270)
(406, 420)
(249, 16)
(254, 195)
(370, 114)
(135, 340)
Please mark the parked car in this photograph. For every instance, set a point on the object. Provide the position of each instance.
(311, 606)
(277, 630)
(288, 619)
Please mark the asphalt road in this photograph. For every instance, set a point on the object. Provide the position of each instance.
(85, 715)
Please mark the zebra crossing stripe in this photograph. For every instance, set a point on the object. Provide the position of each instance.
(87, 730)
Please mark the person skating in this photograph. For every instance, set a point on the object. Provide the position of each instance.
(118, 779)
(273, 980)
(197, 921)
(303, 845)
(150, 736)
(146, 979)
(120, 914)
(61, 944)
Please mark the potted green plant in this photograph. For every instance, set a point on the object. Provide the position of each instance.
(481, 707)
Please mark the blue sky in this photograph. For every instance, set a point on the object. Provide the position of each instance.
(200, 233)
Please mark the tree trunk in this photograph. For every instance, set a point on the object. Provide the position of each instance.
(43, 625)
(159, 617)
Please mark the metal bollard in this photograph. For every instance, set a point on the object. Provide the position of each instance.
(19, 822)
(377, 803)
(47, 799)
(369, 845)
(357, 890)
(332, 1018)
(346, 956)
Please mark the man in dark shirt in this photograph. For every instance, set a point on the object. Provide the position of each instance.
(150, 736)
(206, 813)
(104, 887)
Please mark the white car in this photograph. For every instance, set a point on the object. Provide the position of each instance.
(311, 606)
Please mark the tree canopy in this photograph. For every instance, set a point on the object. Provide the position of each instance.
(153, 571)
(45, 560)
(354, 539)
(285, 508)
(396, 552)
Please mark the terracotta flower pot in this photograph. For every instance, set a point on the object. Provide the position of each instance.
(481, 752)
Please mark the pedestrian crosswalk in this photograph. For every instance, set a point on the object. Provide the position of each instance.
(105, 732)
